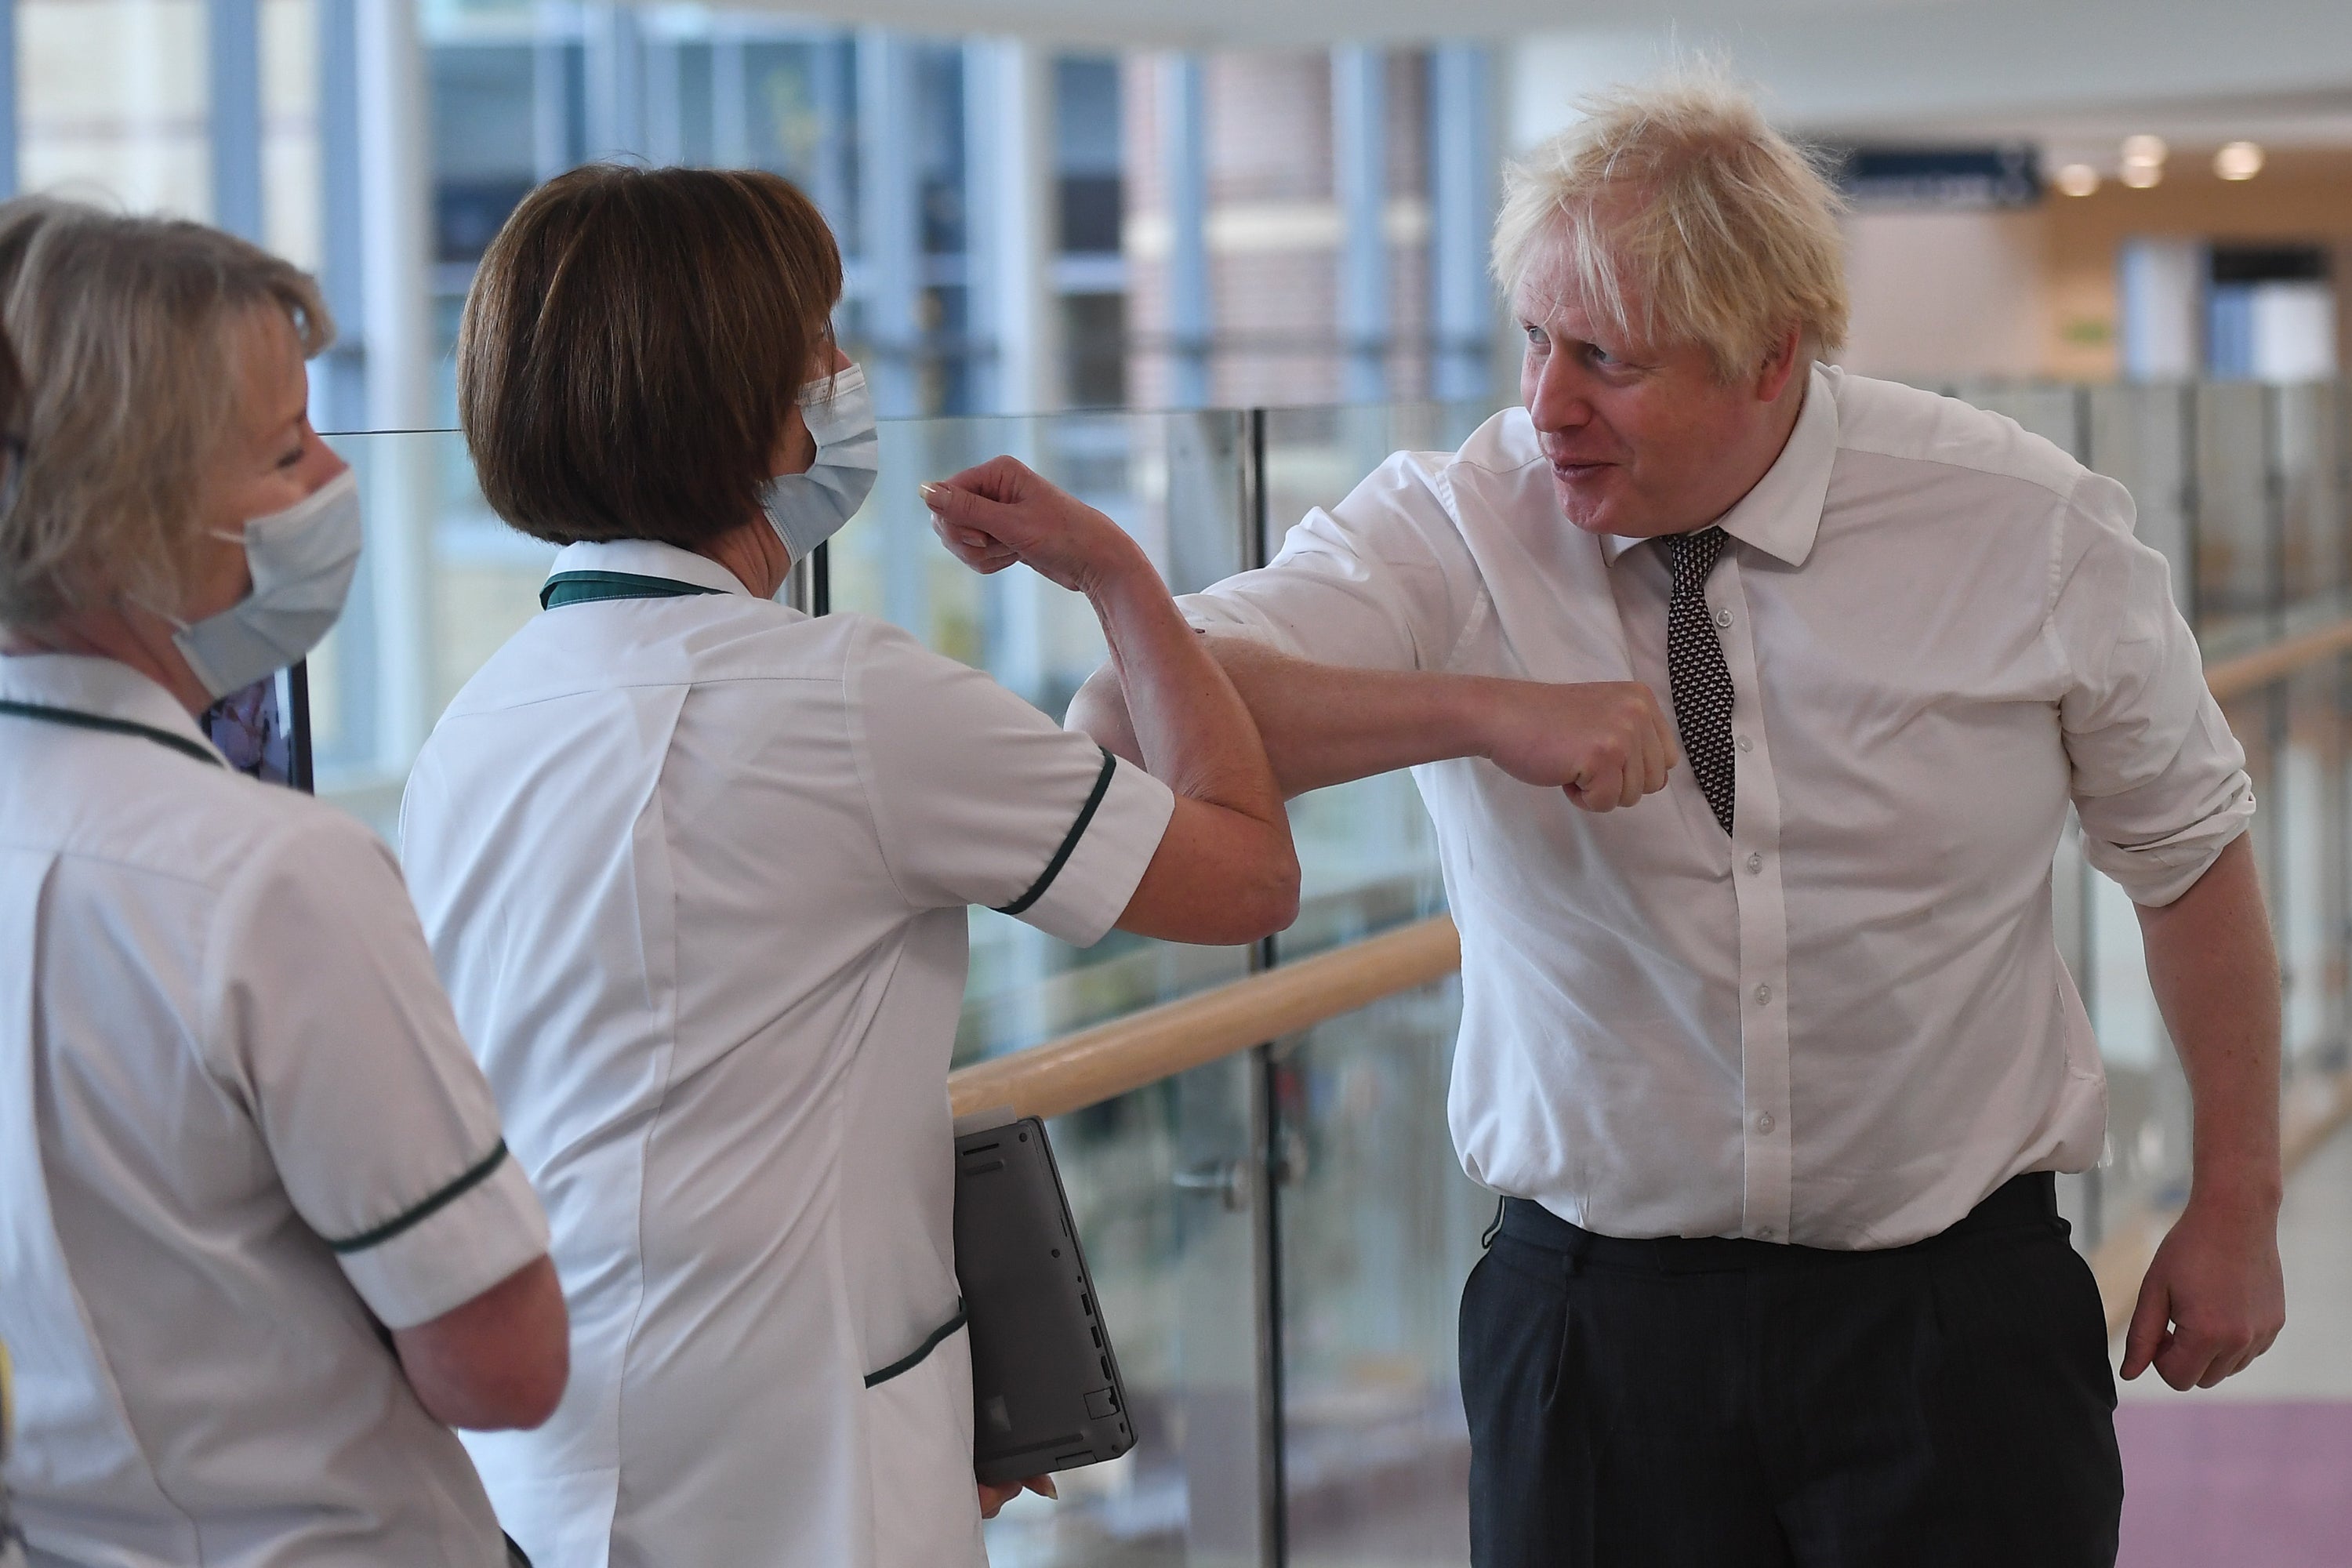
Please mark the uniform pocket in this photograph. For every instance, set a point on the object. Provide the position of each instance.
(919, 1456)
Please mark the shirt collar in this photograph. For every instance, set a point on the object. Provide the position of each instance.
(89, 683)
(649, 558)
(1782, 513)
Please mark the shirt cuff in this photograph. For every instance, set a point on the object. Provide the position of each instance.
(1112, 849)
(1227, 617)
(448, 1250)
(2156, 872)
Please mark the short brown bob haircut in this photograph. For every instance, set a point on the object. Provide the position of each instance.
(633, 344)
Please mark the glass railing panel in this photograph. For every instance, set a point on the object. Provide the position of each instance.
(1380, 1227)
(2308, 452)
(441, 583)
(2053, 413)
(1367, 861)
(1314, 456)
(2140, 437)
(2304, 861)
(2238, 589)
(1156, 1185)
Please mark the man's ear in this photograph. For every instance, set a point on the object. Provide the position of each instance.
(1781, 363)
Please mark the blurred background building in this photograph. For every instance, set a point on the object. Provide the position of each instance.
(1087, 215)
(1206, 264)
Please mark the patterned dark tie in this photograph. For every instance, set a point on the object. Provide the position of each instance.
(1700, 681)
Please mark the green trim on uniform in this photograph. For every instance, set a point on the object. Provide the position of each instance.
(909, 1363)
(1078, 829)
(426, 1210)
(77, 719)
(588, 587)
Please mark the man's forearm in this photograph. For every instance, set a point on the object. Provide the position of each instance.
(1322, 724)
(2215, 973)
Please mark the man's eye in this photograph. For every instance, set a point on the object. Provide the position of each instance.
(1599, 355)
(1536, 338)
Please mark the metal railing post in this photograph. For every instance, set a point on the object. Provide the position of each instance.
(1266, 1133)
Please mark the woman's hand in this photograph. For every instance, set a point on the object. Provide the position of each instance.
(1000, 512)
(994, 1497)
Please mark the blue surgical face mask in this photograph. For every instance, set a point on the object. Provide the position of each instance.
(302, 560)
(806, 509)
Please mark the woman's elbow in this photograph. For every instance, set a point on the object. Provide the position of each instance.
(1267, 898)
(534, 1393)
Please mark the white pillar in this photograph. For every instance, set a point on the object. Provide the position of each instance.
(1184, 151)
(233, 112)
(551, 91)
(1359, 163)
(2161, 288)
(889, 219)
(395, 309)
(1011, 224)
(1462, 219)
(615, 57)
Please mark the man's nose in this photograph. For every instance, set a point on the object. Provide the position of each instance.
(1560, 402)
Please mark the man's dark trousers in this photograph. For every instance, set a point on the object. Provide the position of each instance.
(1723, 1402)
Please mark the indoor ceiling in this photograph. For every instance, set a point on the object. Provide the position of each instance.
(1864, 67)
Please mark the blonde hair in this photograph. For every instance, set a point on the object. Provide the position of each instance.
(129, 330)
(1684, 217)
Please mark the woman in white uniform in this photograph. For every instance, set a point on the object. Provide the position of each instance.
(259, 1242)
(696, 869)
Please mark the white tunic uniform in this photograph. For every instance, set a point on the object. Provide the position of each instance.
(696, 869)
(237, 1131)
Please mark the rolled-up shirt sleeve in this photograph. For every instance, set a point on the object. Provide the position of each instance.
(322, 1000)
(1381, 581)
(2159, 781)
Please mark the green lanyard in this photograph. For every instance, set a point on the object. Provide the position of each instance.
(76, 719)
(588, 587)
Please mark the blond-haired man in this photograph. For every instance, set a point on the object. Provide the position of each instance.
(1776, 1064)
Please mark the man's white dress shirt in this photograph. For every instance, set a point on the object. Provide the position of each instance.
(238, 1132)
(1848, 1022)
(697, 872)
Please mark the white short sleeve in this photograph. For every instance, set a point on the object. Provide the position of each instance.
(2159, 782)
(1382, 581)
(321, 994)
(979, 798)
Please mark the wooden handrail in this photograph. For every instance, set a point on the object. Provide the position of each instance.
(2251, 672)
(1111, 1059)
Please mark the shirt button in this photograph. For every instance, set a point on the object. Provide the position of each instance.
(1746, 744)
(1764, 1122)
(1763, 995)
(1723, 618)
(1756, 862)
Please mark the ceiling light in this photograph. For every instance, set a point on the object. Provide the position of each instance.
(2147, 152)
(2238, 160)
(2140, 176)
(2078, 179)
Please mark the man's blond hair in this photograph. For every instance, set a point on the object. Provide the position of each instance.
(1682, 216)
(131, 333)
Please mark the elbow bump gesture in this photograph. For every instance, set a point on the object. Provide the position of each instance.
(1605, 744)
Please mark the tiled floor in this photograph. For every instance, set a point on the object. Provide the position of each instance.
(2258, 1472)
